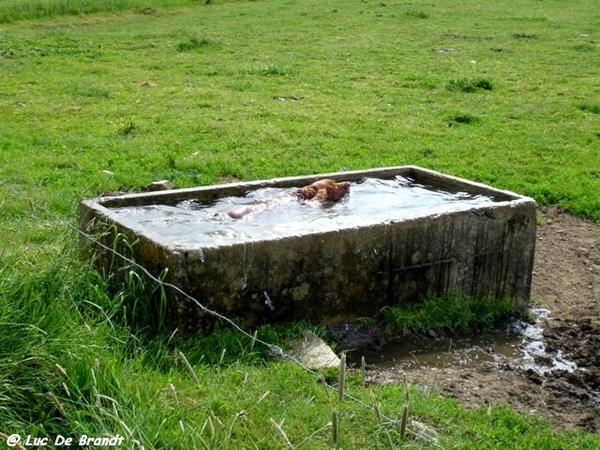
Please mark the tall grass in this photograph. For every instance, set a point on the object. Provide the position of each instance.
(73, 362)
(51, 339)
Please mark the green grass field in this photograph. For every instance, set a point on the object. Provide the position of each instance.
(104, 96)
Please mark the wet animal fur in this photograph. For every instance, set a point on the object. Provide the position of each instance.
(326, 190)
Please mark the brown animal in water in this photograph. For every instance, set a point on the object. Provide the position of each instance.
(326, 190)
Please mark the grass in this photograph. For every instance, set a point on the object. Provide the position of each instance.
(455, 314)
(94, 101)
(189, 96)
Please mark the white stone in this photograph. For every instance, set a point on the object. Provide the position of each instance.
(313, 352)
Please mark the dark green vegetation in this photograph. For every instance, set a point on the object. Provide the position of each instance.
(469, 85)
(500, 92)
(455, 314)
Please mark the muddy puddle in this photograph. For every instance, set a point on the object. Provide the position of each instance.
(520, 345)
(550, 365)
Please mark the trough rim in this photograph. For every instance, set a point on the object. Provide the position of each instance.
(101, 207)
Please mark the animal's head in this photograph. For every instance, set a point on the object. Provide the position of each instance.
(337, 191)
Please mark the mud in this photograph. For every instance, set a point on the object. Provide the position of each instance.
(558, 377)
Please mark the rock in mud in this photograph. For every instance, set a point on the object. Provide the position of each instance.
(313, 352)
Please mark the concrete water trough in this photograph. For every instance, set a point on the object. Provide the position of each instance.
(402, 235)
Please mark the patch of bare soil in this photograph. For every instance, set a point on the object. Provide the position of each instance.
(566, 282)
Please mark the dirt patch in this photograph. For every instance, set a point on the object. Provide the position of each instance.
(566, 282)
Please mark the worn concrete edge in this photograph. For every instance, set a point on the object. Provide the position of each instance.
(216, 191)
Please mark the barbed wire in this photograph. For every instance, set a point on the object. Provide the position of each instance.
(274, 349)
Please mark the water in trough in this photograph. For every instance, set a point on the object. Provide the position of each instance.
(277, 214)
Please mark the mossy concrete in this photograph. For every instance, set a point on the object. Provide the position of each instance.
(485, 251)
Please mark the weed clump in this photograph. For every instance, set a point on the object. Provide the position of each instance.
(463, 119)
(525, 36)
(593, 108)
(456, 314)
(586, 47)
(469, 85)
(192, 44)
(89, 91)
(272, 71)
(417, 14)
(129, 129)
